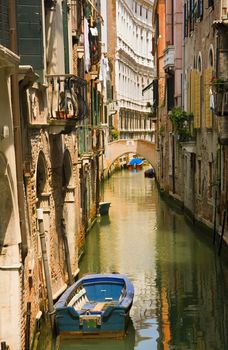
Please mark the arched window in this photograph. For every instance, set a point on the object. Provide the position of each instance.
(194, 63)
(41, 175)
(211, 57)
(199, 63)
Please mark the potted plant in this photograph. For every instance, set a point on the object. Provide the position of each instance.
(219, 85)
(114, 134)
(181, 122)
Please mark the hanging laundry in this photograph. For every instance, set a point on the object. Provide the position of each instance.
(87, 60)
(104, 69)
(212, 101)
(94, 31)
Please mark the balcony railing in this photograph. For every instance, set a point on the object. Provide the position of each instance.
(67, 98)
(169, 57)
(220, 93)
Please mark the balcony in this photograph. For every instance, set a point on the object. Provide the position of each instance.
(223, 130)
(67, 102)
(169, 58)
(220, 93)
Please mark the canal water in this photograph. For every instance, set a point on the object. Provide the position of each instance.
(181, 286)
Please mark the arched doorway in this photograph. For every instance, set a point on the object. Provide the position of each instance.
(43, 202)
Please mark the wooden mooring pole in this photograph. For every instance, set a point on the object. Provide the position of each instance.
(67, 253)
(215, 209)
(222, 234)
(3, 345)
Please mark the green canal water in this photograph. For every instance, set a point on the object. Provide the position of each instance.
(181, 286)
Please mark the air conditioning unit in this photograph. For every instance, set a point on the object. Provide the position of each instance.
(224, 10)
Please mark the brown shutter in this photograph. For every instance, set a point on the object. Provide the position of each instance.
(207, 87)
(197, 99)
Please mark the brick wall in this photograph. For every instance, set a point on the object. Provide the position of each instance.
(52, 201)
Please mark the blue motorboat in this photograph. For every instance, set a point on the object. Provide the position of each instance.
(96, 305)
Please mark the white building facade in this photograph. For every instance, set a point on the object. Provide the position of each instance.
(134, 69)
(10, 232)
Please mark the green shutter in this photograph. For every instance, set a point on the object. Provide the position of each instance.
(4, 24)
(30, 34)
(65, 36)
(170, 92)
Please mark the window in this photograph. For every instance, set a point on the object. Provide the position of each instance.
(185, 20)
(191, 15)
(195, 63)
(199, 63)
(211, 57)
(146, 13)
(156, 34)
(140, 10)
(211, 3)
(135, 7)
(200, 9)
(4, 25)
(170, 92)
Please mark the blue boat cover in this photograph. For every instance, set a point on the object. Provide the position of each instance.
(135, 161)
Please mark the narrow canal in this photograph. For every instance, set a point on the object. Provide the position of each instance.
(181, 287)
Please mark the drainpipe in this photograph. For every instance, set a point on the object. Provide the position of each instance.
(97, 184)
(17, 129)
(173, 163)
(67, 253)
(51, 309)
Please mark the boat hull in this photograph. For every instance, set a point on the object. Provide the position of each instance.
(111, 321)
(113, 326)
(104, 208)
(149, 173)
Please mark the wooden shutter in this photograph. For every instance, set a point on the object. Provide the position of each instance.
(30, 33)
(192, 91)
(207, 111)
(197, 100)
(189, 92)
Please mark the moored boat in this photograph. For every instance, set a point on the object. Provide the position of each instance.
(149, 173)
(96, 305)
(104, 208)
(135, 163)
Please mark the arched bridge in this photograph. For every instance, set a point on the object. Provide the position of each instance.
(143, 148)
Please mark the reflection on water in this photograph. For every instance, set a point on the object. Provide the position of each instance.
(102, 344)
(181, 291)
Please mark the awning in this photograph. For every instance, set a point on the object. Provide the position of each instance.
(135, 161)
